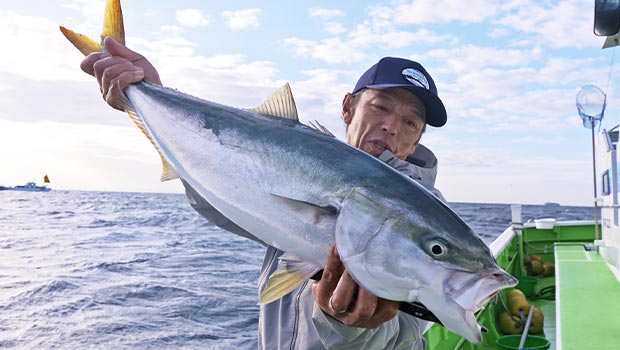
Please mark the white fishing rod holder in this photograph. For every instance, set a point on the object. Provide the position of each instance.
(517, 225)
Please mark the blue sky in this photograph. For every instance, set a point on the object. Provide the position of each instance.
(507, 71)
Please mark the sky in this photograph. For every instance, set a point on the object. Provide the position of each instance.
(507, 72)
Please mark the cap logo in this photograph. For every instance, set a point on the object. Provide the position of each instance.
(415, 77)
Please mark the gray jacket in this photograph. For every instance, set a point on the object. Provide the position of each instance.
(295, 321)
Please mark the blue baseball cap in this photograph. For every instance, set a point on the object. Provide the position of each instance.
(393, 72)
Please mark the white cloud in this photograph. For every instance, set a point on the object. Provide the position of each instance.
(352, 47)
(434, 11)
(499, 32)
(242, 19)
(221, 77)
(91, 10)
(332, 50)
(557, 24)
(192, 18)
(325, 13)
(490, 88)
(38, 50)
(319, 97)
(334, 28)
(471, 58)
(573, 71)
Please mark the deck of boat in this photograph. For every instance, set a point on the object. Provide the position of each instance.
(583, 281)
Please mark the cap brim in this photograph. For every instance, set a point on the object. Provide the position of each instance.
(435, 111)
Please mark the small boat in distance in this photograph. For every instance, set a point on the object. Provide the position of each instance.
(551, 204)
(29, 186)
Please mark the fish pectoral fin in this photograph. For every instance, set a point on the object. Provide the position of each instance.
(308, 206)
(291, 273)
(168, 172)
(280, 104)
(360, 221)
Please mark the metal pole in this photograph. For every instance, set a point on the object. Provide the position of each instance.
(595, 192)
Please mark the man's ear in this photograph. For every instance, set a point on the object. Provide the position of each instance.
(347, 108)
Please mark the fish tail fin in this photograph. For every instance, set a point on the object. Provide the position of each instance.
(291, 273)
(83, 43)
(168, 172)
(113, 22)
(112, 26)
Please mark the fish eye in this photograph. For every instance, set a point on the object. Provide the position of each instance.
(437, 249)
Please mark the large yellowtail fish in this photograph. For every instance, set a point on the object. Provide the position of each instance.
(302, 191)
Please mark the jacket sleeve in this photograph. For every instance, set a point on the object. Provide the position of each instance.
(401, 332)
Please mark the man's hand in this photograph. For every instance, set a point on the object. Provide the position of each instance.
(336, 295)
(117, 69)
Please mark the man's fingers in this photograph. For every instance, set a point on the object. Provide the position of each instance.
(111, 68)
(103, 68)
(365, 306)
(116, 68)
(382, 311)
(87, 64)
(323, 290)
(339, 296)
(386, 309)
(120, 74)
(113, 98)
(116, 49)
(331, 273)
(113, 94)
(344, 292)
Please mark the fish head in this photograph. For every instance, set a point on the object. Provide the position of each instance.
(404, 252)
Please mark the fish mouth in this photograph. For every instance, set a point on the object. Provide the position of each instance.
(472, 293)
(465, 294)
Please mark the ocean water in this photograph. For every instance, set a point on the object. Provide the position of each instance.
(104, 270)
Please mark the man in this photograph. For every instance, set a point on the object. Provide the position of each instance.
(385, 115)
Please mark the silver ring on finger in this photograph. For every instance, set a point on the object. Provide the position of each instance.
(337, 312)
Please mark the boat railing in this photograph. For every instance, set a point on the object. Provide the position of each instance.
(612, 206)
(502, 241)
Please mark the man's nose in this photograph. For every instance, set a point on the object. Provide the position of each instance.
(389, 124)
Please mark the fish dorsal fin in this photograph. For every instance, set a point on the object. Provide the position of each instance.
(280, 104)
(291, 273)
(168, 172)
(320, 128)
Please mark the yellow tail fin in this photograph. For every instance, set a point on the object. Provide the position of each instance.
(112, 26)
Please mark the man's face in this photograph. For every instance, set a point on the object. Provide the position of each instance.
(390, 119)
